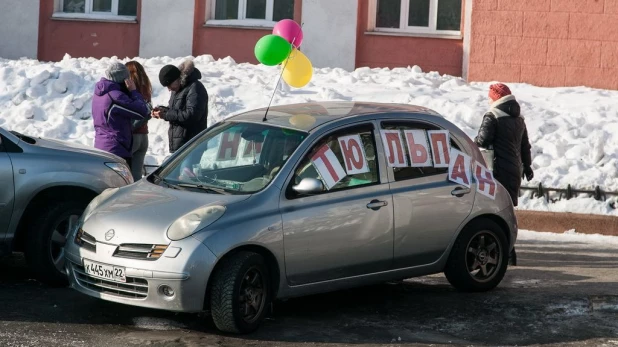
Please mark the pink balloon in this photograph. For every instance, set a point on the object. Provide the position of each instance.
(289, 30)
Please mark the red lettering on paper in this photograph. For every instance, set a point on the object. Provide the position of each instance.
(394, 139)
(352, 154)
(485, 181)
(418, 152)
(228, 146)
(459, 170)
(249, 148)
(440, 148)
(321, 154)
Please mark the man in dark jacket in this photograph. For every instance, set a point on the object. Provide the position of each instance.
(504, 130)
(188, 106)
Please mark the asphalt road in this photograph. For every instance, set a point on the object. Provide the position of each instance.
(562, 293)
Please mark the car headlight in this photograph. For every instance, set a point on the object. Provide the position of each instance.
(188, 224)
(121, 170)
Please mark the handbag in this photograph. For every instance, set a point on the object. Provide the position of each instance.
(488, 155)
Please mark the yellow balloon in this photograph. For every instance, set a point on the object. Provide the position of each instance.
(297, 71)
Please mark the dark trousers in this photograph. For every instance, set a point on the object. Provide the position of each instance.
(129, 161)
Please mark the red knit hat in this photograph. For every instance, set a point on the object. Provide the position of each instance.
(498, 91)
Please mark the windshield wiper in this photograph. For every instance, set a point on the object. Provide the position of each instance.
(205, 188)
(161, 179)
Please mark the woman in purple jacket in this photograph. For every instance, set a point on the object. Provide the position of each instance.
(116, 103)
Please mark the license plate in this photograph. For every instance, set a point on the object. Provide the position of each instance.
(107, 272)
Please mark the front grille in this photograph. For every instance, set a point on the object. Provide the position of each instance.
(140, 251)
(86, 240)
(134, 288)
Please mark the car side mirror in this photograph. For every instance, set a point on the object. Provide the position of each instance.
(309, 186)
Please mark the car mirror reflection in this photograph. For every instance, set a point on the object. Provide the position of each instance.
(309, 186)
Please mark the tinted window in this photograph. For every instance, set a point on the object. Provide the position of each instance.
(308, 167)
(408, 173)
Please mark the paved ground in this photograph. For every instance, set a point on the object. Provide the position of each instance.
(561, 294)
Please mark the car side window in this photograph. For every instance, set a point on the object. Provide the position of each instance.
(407, 173)
(355, 166)
(1, 144)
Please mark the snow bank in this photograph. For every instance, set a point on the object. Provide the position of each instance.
(573, 130)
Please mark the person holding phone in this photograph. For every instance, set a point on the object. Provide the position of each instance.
(115, 104)
(187, 113)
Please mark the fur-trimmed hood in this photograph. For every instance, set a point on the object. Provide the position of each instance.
(188, 73)
(506, 106)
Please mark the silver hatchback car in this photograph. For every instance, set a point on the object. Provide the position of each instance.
(308, 198)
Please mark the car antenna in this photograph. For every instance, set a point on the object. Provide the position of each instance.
(281, 75)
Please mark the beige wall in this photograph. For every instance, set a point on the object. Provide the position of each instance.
(545, 42)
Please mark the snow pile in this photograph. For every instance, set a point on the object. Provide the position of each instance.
(572, 129)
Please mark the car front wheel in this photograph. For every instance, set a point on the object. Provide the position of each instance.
(240, 293)
(47, 235)
(479, 258)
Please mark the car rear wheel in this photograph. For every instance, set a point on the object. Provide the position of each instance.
(240, 293)
(47, 235)
(479, 258)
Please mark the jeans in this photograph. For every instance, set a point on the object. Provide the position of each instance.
(140, 147)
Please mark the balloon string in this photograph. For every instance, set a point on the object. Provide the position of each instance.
(287, 60)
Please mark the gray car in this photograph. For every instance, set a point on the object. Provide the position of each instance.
(45, 185)
(305, 199)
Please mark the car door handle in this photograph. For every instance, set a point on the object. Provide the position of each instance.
(460, 192)
(376, 204)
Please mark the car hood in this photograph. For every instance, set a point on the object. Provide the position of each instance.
(141, 213)
(75, 147)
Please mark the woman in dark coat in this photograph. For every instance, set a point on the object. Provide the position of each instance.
(504, 130)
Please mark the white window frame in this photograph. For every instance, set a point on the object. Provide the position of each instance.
(89, 14)
(242, 20)
(404, 28)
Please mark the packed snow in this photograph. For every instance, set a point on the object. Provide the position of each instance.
(572, 130)
(583, 240)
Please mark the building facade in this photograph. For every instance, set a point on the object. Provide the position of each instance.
(542, 42)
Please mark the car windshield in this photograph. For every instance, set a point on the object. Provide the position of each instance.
(231, 158)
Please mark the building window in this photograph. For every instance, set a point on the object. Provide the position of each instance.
(261, 13)
(97, 9)
(442, 17)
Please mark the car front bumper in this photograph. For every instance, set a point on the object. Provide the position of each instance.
(186, 274)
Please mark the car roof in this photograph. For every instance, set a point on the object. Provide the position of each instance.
(309, 116)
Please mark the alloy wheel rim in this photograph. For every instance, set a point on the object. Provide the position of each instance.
(59, 238)
(252, 296)
(483, 256)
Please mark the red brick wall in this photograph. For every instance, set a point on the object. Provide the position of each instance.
(221, 42)
(545, 42)
(85, 38)
(431, 54)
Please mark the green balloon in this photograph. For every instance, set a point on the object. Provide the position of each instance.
(272, 50)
